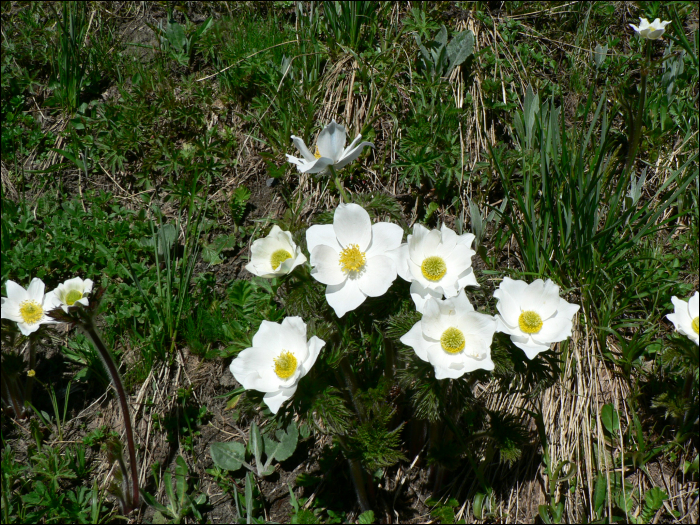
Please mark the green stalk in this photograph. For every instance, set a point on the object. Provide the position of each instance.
(637, 131)
(351, 384)
(358, 478)
(113, 371)
(339, 185)
(29, 385)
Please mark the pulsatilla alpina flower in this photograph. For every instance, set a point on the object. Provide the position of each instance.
(330, 150)
(350, 256)
(28, 307)
(72, 291)
(533, 314)
(452, 337)
(652, 31)
(685, 317)
(275, 255)
(436, 263)
(279, 358)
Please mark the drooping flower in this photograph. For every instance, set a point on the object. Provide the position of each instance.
(436, 263)
(685, 317)
(452, 337)
(274, 255)
(533, 314)
(652, 31)
(73, 291)
(350, 257)
(28, 307)
(279, 358)
(330, 150)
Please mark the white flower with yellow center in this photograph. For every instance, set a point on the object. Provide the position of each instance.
(436, 263)
(73, 291)
(330, 150)
(28, 307)
(533, 314)
(274, 255)
(279, 358)
(651, 31)
(350, 257)
(452, 337)
(685, 317)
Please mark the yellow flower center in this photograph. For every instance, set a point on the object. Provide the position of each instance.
(695, 325)
(279, 257)
(317, 153)
(452, 340)
(72, 296)
(530, 322)
(31, 373)
(285, 365)
(31, 311)
(352, 259)
(433, 268)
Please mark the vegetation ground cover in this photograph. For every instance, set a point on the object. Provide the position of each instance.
(143, 147)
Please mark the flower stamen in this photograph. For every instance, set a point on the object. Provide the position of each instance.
(696, 325)
(31, 311)
(73, 296)
(285, 365)
(279, 257)
(352, 259)
(530, 322)
(433, 268)
(317, 153)
(452, 340)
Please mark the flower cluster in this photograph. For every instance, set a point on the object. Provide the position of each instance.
(29, 308)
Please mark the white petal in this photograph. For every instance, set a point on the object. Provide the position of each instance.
(467, 279)
(434, 322)
(509, 306)
(315, 345)
(352, 225)
(430, 244)
(28, 329)
(693, 305)
(317, 166)
(15, 292)
(274, 400)
(345, 297)
(528, 346)
(448, 237)
(541, 297)
(414, 338)
(460, 303)
(321, 234)
(35, 290)
(301, 146)
(400, 257)
(385, 236)
(420, 294)
(567, 310)
(10, 310)
(269, 336)
(254, 369)
(326, 265)
(331, 141)
(350, 155)
(379, 274)
(289, 264)
(553, 330)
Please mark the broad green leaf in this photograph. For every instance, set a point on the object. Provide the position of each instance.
(229, 455)
(610, 418)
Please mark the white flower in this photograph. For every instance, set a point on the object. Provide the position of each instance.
(330, 150)
(652, 31)
(274, 255)
(350, 257)
(452, 337)
(685, 317)
(73, 291)
(436, 262)
(28, 307)
(279, 358)
(533, 314)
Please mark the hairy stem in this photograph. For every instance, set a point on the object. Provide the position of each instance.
(339, 185)
(637, 131)
(357, 476)
(29, 385)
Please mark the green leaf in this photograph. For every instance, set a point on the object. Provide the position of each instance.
(175, 34)
(287, 443)
(229, 455)
(610, 418)
(255, 444)
(366, 517)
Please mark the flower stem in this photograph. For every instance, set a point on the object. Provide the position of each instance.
(351, 384)
(637, 131)
(339, 185)
(357, 476)
(113, 371)
(29, 385)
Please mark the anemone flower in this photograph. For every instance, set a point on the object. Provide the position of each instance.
(28, 307)
(279, 358)
(533, 314)
(72, 291)
(330, 150)
(350, 257)
(652, 31)
(452, 337)
(685, 317)
(274, 255)
(436, 263)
